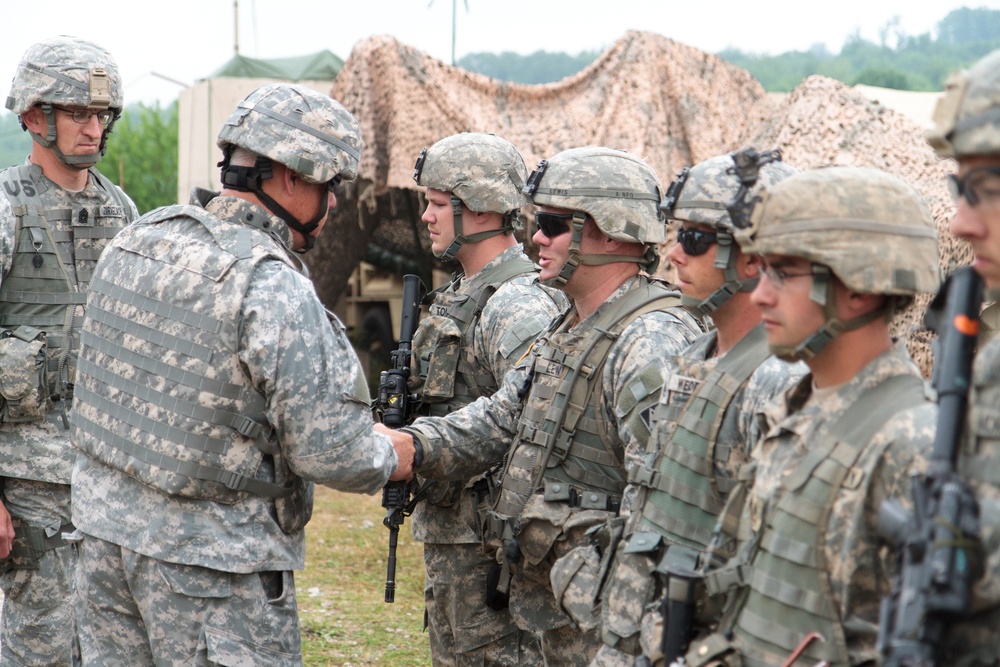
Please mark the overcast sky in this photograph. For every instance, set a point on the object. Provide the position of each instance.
(161, 46)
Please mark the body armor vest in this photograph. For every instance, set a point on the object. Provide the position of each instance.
(681, 495)
(452, 377)
(789, 593)
(161, 395)
(55, 255)
(563, 435)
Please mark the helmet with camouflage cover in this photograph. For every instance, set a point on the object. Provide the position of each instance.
(967, 117)
(707, 194)
(306, 131)
(866, 227)
(480, 170)
(71, 72)
(617, 189)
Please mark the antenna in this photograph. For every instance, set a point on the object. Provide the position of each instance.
(454, 23)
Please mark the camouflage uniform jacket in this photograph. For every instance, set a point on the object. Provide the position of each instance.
(973, 642)
(284, 349)
(856, 566)
(673, 492)
(50, 240)
(460, 361)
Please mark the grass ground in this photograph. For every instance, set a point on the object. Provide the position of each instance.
(344, 618)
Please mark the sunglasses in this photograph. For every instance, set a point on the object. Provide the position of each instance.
(553, 224)
(696, 241)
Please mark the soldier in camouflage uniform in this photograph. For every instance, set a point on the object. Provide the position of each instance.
(574, 414)
(479, 325)
(213, 391)
(708, 412)
(58, 213)
(844, 248)
(968, 129)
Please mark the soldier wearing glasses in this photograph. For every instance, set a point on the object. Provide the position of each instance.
(57, 215)
(574, 414)
(844, 249)
(705, 423)
(968, 129)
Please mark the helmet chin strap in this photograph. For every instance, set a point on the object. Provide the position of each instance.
(456, 216)
(725, 259)
(81, 162)
(251, 179)
(823, 293)
(648, 261)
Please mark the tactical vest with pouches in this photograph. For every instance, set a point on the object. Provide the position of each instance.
(563, 437)
(448, 369)
(161, 395)
(789, 594)
(50, 273)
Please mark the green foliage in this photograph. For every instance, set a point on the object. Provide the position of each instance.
(539, 67)
(142, 155)
(912, 63)
(15, 143)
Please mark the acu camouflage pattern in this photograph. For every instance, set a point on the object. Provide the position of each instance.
(483, 170)
(66, 71)
(310, 133)
(469, 440)
(661, 517)
(973, 642)
(856, 566)
(72, 228)
(300, 362)
(616, 188)
(870, 228)
(967, 116)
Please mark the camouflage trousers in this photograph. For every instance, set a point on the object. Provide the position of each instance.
(463, 630)
(38, 620)
(135, 610)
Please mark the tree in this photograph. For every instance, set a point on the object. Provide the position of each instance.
(142, 155)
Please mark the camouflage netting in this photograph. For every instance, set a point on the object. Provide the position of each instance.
(666, 102)
(824, 122)
(669, 103)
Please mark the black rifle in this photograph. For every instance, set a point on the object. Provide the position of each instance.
(936, 542)
(395, 405)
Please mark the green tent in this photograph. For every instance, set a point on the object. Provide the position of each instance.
(320, 66)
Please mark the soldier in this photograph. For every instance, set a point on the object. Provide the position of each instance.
(479, 325)
(58, 213)
(715, 388)
(213, 390)
(844, 249)
(575, 412)
(968, 129)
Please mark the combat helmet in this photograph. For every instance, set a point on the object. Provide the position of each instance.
(967, 117)
(482, 171)
(614, 187)
(67, 71)
(717, 192)
(306, 131)
(866, 227)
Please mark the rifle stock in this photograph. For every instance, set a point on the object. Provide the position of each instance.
(934, 541)
(395, 406)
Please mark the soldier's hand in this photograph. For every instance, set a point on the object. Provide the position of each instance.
(6, 532)
(403, 443)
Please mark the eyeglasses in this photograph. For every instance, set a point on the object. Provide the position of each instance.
(553, 224)
(977, 185)
(779, 276)
(83, 116)
(696, 242)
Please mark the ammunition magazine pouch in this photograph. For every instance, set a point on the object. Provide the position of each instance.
(24, 390)
(30, 544)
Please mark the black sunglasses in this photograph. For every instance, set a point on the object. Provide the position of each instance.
(553, 224)
(696, 241)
